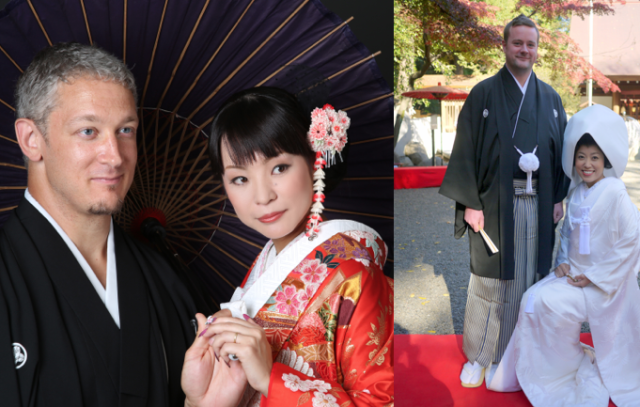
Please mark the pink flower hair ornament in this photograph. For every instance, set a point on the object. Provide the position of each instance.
(328, 136)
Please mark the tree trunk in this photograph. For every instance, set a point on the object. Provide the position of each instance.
(405, 103)
(403, 85)
(409, 81)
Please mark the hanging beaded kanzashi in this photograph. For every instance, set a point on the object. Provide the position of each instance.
(328, 136)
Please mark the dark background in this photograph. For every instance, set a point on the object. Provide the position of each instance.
(372, 25)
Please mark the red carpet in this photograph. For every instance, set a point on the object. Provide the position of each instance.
(418, 177)
(427, 370)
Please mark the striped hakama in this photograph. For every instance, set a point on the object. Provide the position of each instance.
(493, 304)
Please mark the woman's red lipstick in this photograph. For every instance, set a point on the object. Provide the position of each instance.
(271, 217)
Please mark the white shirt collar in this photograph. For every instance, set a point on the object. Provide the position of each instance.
(523, 88)
(108, 295)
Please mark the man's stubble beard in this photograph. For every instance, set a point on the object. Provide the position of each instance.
(513, 65)
(101, 208)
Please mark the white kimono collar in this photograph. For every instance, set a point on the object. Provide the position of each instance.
(251, 301)
(580, 214)
(523, 88)
(108, 295)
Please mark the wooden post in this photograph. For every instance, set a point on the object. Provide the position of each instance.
(616, 102)
(433, 148)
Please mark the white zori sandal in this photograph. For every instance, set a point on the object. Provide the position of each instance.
(472, 375)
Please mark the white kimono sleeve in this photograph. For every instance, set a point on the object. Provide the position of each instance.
(609, 273)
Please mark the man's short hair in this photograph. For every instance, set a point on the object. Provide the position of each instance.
(36, 89)
(518, 21)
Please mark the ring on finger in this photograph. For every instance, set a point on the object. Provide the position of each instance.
(233, 356)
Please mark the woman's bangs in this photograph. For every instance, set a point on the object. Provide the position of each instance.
(244, 148)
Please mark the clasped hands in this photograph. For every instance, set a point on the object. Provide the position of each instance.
(578, 281)
(209, 377)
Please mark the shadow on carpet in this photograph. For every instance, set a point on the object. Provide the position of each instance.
(427, 373)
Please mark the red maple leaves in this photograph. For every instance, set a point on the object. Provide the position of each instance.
(464, 27)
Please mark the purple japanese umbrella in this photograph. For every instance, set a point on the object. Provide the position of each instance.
(188, 57)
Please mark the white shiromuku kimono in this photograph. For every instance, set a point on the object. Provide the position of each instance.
(600, 238)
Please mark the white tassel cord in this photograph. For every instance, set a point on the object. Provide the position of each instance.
(585, 231)
(584, 246)
(528, 163)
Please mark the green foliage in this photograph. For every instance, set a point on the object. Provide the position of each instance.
(424, 106)
(442, 35)
(567, 91)
(408, 45)
(448, 35)
(546, 68)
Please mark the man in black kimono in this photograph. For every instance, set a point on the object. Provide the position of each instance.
(88, 316)
(488, 180)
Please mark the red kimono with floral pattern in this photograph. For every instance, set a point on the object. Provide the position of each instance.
(330, 325)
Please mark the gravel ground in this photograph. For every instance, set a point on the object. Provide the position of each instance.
(432, 268)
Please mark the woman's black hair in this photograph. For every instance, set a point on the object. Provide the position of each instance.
(265, 121)
(588, 141)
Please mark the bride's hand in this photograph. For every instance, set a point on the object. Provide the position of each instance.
(248, 341)
(207, 381)
(581, 281)
(563, 270)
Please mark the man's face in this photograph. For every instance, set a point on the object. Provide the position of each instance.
(521, 50)
(90, 152)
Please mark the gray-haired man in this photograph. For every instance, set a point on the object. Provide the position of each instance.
(88, 317)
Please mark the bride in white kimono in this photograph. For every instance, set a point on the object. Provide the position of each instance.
(595, 280)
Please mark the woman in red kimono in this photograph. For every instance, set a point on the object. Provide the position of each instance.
(312, 323)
